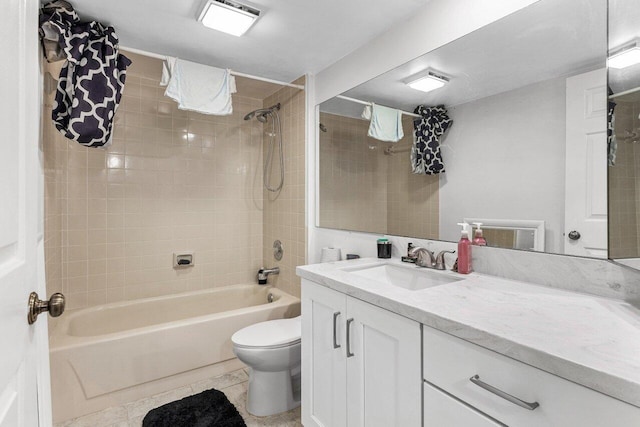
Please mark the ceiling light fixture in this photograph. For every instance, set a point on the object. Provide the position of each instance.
(427, 81)
(228, 16)
(626, 57)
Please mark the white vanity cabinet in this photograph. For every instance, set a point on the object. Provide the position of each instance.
(361, 364)
(506, 392)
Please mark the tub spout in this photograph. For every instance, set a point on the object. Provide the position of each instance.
(263, 273)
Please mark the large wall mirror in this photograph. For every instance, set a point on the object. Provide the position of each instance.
(526, 152)
(624, 172)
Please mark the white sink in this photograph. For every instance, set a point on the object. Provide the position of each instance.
(408, 277)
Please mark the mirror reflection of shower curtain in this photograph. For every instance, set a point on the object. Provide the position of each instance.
(612, 144)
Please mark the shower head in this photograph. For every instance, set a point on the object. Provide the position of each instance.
(322, 127)
(261, 113)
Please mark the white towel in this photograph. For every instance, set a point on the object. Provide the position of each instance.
(198, 87)
(366, 113)
(386, 123)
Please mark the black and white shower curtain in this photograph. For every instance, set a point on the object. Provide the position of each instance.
(91, 82)
(425, 152)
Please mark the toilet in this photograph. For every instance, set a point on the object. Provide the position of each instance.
(272, 350)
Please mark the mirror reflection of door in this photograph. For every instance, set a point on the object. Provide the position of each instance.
(586, 166)
(624, 98)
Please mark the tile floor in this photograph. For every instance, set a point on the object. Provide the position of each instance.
(233, 384)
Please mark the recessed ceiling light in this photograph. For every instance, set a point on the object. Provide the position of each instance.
(228, 16)
(625, 58)
(428, 81)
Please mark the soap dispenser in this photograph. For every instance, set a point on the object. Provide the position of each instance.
(478, 238)
(464, 250)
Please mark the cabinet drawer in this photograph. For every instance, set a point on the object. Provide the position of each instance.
(442, 410)
(450, 362)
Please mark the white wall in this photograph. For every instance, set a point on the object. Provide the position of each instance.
(506, 155)
(438, 23)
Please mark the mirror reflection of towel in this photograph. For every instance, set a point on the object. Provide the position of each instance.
(386, 123)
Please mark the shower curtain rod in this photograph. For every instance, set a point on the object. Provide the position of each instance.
(235, 73)
(358, 101)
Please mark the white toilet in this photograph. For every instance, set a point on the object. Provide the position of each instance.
(272, 350)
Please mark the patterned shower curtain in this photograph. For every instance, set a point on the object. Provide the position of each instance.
(612, 143)
(425, 153)
(91, 82)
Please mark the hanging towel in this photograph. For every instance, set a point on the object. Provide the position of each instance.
(198, 87)
(386, 123)
(612, 143)
(366, 113)
(425, 152)
(91, 81)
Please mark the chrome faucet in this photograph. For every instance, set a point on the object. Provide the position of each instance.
(427, 259)
(424, 257)
(263, 273)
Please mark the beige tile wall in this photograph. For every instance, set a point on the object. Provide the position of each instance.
(284, 217)
(172, 181)
(353, 177)
(412, 200)
(363, 189)
(499, 238)
(624, 203)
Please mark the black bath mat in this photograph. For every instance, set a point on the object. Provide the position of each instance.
(211, 408)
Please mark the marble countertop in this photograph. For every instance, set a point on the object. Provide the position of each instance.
(586, 339)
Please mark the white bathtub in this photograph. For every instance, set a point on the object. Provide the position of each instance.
(116, 353)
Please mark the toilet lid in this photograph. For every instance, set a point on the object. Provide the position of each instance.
(272, 333)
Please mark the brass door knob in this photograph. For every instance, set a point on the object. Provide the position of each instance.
(55, 306)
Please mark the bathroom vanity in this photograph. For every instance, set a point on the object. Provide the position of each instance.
(385, 343)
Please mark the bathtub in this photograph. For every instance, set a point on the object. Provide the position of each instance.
(115, 353)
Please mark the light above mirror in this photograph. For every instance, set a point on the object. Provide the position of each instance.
(625, 58)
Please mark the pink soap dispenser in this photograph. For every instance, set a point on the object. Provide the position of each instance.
(478, 238)
(464, 250)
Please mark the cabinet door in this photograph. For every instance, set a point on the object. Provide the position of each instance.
(384, 384)
(324, 375)
(443, 410)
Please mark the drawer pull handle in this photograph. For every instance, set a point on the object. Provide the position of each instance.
(335, 340)
(349, 321)
(526, 405)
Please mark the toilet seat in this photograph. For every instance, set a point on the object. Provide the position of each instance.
(269, 334)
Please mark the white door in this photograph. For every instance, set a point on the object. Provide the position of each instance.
(24, 375)
(384, 381)
(586, 165)
(324, 376)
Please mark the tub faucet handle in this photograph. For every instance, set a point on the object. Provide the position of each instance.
(263, 273)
